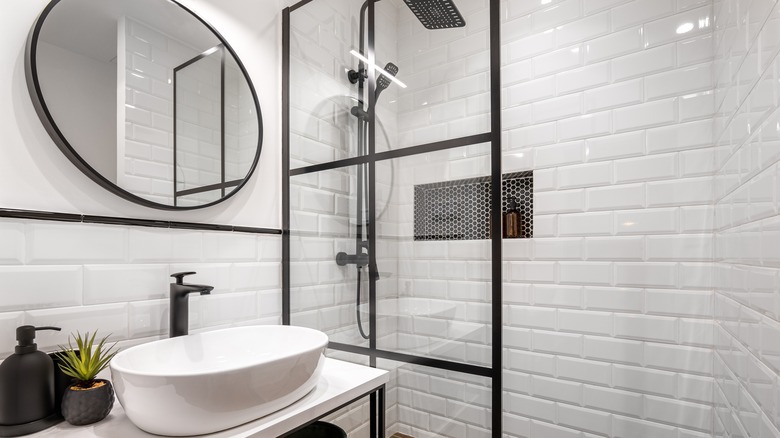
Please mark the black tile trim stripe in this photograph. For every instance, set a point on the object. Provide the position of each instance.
(109, 220)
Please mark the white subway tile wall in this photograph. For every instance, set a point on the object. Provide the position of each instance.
(650, 245)
(146, 166)
(608, 332)
(612, 108)
(115, 279)
(747, 303)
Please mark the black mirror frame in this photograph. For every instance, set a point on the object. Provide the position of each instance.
(34, 88)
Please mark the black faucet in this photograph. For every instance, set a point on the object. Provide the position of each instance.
(180, 304)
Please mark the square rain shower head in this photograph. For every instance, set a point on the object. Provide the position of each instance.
(436, 14)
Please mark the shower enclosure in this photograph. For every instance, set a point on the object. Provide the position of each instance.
(392, 114)
(635, 138)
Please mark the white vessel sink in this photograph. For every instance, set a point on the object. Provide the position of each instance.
(206, 382)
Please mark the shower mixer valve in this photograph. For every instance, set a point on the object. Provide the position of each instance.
(355, 76)
(343, 259)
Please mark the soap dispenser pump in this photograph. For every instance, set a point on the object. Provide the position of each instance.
(26, 386)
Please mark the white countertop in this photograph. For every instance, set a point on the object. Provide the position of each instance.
(340, 383)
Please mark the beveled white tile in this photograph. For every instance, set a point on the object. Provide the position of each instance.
(584, 175)
(568, 201)
(583, 29)
(615, 146)
(679, 303)
(121, 283)
(648, 221)
(682, 136)
(695, 50)
(228, 308)
(12, 236)
(585, 273)
(646, 274)
(613, 45)
(585, 126)
(616, 95)
(527, 47)
(269, 303)
(648, 168)
(556, 61)
(697, 106)
(535, 135)
(680, 247)
(616, 197)
(269, 248)
(561, 12)
(35, 287)
(148, 318)
(75, 243)
(614, 248)
(560, 154)
(640, 11)
(583, 78)
(107, 319)
(697, 219)
(585, 224)
(219, 247)
(677, 27)
(643, 62)
(660, 112)
(689, 191)
(558, 249)
(556, 108)
(682, 81)
(614, 299)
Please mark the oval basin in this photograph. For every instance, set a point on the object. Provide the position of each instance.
(207, 382)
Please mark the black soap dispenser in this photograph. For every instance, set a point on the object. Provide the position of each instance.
(27, 387)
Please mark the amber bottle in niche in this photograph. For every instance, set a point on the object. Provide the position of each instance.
(512, 228)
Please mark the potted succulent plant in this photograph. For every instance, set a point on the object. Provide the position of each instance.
(87, 400)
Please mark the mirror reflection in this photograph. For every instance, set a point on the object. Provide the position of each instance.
(146, 99)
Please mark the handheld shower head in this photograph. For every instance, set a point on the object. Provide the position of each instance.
(383, 81)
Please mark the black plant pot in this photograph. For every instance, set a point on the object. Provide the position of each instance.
(87, 406)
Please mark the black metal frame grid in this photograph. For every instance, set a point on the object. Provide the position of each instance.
(494, 372)
(44, 114)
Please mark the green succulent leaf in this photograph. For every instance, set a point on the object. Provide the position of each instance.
(90, 360)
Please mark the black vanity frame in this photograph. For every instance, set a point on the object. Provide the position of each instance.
(34, 88)
(494, 372)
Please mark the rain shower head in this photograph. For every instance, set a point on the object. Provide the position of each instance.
(383, 81)
(436, 14)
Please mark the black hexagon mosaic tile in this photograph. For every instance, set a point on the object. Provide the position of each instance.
(460, 210)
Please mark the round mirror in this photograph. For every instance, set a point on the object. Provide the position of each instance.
(145, 98)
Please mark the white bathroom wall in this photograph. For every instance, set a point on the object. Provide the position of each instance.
(608, 308)
(115, 278)
(747, 305)
(43, 179)
(85, 277)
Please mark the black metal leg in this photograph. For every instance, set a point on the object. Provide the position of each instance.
(381, 413)
(373, 421)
